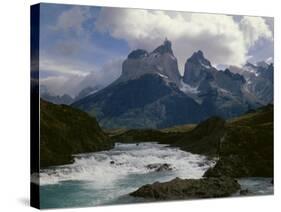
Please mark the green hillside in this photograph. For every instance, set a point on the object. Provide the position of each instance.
(65, 131)
(244, 145)
(246, 149)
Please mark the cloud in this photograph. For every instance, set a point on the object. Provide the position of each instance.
(104, 76)
(253, 29)
(60, 85)
(223, 40)
(63, 66)
(71, 58)
(61, 77)
(72, 20)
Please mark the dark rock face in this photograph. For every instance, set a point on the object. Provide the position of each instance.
(188, 189)
(141, 103)
(150, 93)
(136, 54)
(197, 70)
(259, 80)
(229, 81)
(221, 93)
(65, 131)
(165, 48)
(161, 61)
(262, 84)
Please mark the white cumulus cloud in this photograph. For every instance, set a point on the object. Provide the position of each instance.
(220, 37)
(61, 77)
(254, 28)
(72, 19)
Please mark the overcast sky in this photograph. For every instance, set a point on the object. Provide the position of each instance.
(78, 42)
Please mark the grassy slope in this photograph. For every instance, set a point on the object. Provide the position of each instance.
(65, 131)
(247, 146)
(202, 139)
(179, 128)
(244, 144)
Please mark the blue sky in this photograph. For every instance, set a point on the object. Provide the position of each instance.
(79, 42)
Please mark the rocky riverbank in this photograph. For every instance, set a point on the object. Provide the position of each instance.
(243, 146)
(188, 189)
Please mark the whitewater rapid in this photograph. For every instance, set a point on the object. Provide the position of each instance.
(105, 177)
(106, 167)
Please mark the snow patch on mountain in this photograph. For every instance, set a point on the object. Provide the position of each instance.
(163, 76)
(159, 61)
(186, 88)
(205, 66)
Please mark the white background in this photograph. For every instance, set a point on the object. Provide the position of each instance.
(14, 102)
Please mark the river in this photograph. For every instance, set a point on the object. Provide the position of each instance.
(107, 177)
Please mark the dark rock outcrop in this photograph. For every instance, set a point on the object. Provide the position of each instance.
(259, 80)
(188, 189)
(158, 167)
(197, 70)
(160, 61)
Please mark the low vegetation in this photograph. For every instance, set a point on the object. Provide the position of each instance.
(244, 145)
(65, 131)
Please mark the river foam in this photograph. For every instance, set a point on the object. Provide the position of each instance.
(106, 167)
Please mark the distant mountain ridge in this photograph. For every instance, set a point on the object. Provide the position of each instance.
(259, 79)
(160, 61)
(67, 99)
(151, 93)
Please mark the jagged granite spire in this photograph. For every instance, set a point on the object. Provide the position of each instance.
(166, 47)
(138, 53)
(199, 59)
(197, 68)
(161, 61)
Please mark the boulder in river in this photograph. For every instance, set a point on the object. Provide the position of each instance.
(244, 192)
(159, 167)
(189, 189)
